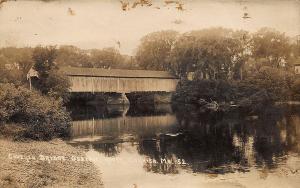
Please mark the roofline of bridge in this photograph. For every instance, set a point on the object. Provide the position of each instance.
(116, 73)
(77, 75)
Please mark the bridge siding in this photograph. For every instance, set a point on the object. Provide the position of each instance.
(121, 85)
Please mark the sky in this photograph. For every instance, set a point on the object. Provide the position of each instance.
(102, 23)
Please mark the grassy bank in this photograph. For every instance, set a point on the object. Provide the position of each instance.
(33, 170)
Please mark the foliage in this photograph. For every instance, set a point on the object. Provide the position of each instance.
(51, 81)
(211, 53)
(43, 63)
(277, 83)
(265, 87)
(72, 56)
(19, 58)
(270, 46)
(14, 64)
(193, 91)
(59, 85)
(106, 58)
(42, 117)
(98, 58)
(10, 76)
(154, 51)
(295, 89)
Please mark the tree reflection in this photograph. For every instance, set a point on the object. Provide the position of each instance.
(222, 143)
(109, 149)
(199, 142)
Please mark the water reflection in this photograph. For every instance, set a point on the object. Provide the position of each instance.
(172, 140)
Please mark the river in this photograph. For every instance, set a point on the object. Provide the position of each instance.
(163, 146)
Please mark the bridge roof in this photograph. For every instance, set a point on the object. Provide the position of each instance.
(120, 73)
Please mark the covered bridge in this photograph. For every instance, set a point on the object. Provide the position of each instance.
(119, 80)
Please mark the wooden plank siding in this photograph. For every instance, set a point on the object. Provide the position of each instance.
(120, 81)
(121, 85)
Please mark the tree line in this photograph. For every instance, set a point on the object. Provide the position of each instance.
(225, 65)
(217, 53)
(214, 53)
(261, 59)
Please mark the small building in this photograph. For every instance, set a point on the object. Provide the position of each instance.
(297, 68)
(32, 73)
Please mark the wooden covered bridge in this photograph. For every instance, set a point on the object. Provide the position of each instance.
(118, 80)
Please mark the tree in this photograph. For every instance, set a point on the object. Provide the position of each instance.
(51, 81)
(271, 47)
(25, 65)
(59, 85)
(296, 89)
(16, 62)
(12, 75)
(211, 53)
(43, 58)
(106, 58)
(277, 83)
(154, 51)
(73, 56)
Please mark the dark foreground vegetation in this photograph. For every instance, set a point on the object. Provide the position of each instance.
(223, 66)
(38, 112)
(31, 114)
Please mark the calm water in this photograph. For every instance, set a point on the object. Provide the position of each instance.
(164, 146)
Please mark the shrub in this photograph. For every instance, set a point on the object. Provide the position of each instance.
(12, 130)
(10, 76)
(276, 82)
(296, 90)
(255, 102)
(51, 82)
(193, 91)
(42, 117)
(263, 87)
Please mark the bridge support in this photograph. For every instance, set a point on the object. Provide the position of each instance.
(118, 98)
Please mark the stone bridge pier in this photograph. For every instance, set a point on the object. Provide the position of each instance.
(118, 99)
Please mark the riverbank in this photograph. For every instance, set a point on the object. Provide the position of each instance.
(45, 164)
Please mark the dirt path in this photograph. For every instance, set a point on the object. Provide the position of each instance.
(45, 164)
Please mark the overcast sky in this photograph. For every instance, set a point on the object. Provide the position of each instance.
(101, 23)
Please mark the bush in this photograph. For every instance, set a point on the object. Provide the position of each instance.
(276, 82)
(58, 85)
(51, 81)
(42, 117)
(12, 130)
(10, 76)
(263, 87)
(193, 91)
(296, 90)
(255, 102)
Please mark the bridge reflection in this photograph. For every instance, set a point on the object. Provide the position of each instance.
(115, 121)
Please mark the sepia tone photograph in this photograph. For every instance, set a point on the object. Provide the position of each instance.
(150, 93)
